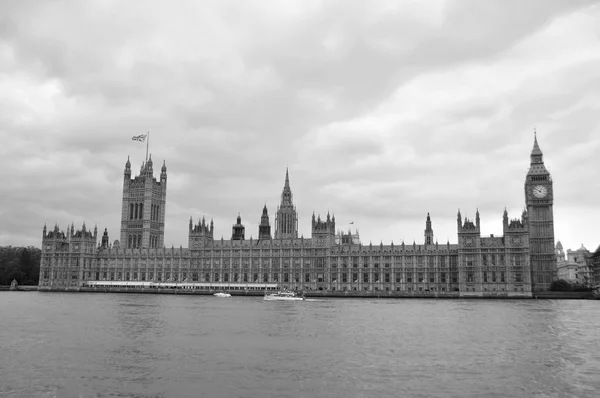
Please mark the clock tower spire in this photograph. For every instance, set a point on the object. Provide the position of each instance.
(539, 197)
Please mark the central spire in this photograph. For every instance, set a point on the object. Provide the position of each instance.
(287, 179)
(286, 220)
(286, 195)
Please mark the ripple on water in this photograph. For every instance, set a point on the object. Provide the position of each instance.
(153, 346)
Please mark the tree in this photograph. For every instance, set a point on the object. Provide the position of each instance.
(20, 263)
(560, 285)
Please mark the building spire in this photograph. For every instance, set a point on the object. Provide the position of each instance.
(536, 148)
(286, 220)
(537, 159)
(287, 179)
(428, 231)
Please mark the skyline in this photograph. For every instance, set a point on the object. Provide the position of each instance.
(382, 113)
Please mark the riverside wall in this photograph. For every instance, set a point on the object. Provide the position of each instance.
(324, 294)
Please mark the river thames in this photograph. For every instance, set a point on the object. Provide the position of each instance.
(131, 345)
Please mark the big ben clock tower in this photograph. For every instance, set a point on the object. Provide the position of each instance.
(539, 198)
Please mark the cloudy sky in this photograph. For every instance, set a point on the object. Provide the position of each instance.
(382, 110)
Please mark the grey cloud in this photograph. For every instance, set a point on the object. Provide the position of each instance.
(232, 98)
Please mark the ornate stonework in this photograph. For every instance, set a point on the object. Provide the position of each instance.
(539, 197)
(477, 265)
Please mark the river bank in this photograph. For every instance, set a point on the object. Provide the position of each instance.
(324, 294)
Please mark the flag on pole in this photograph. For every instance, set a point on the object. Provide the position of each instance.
(140, 138)
(352, 223)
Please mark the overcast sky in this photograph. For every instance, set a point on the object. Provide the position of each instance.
(382, 110)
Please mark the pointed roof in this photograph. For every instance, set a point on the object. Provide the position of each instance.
(536, 151)
(287, 178)
(537, 162)
(286, 195)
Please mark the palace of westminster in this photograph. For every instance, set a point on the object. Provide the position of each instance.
(518, 263)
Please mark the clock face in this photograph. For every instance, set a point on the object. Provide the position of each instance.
(540, 191)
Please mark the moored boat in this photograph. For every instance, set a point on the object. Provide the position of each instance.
(222, 294)
(283, 296)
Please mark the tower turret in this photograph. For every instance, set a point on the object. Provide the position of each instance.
(238, 230)
(323, 231)
(560, 252)
(149, 168)
(428, 231)
(200, 235)
(163, 172)
(127, 172)
(105, 238)
(264, 229)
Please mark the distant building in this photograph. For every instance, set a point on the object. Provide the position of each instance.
(578, 258)
(563, 270)
(573, 267)
(520, 261)
(594, 264)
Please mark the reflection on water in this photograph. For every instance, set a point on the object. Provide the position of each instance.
(96, 345)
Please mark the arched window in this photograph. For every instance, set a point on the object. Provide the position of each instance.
(135, 216)
(139, 241)
(141, 210)
(129, 238)
(131, 211)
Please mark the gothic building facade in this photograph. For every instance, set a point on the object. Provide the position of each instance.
(520, 261)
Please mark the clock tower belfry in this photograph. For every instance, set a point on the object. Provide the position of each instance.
(539, 197)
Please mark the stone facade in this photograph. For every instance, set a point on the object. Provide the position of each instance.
(573, 267)
(143, 207)
(594, 264)
(329, 260)
(539, 197)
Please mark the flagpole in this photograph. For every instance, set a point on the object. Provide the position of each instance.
(147, 144)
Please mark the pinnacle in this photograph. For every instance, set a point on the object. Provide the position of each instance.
(287, 178)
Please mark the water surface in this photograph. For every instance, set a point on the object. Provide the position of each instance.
(131, 345)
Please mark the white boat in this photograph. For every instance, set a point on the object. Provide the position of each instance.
(222, 294)
(283, 296)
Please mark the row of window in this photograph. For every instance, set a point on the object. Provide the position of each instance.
(322, 262)
(136, 211)
(185, 267)
(296, 277)
(134, 241)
